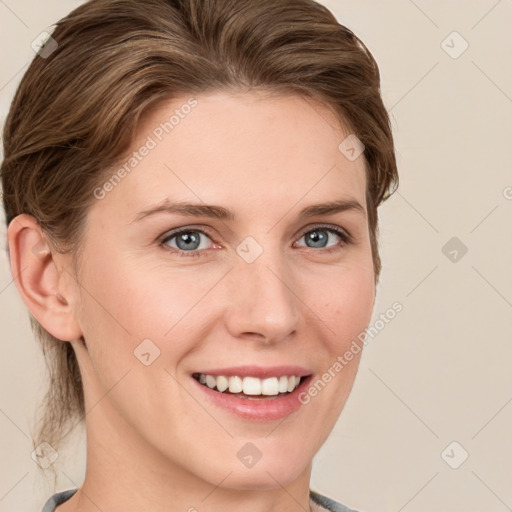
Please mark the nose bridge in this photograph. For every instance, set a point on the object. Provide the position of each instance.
(264, 300)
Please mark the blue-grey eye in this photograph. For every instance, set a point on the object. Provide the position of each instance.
(189, 240)
(319, 237)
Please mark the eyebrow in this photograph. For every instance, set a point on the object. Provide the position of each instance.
(219, 212)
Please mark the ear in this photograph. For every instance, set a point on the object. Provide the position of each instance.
(41, 278)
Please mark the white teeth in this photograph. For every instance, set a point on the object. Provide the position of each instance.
(270, 386)
(235, 385)
(251, 385)
(283, 384)
(222, 383)
(291, 382)
(211, 381)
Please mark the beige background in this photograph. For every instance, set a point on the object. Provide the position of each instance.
(440, 371)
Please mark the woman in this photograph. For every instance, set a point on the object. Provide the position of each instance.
(191, 191)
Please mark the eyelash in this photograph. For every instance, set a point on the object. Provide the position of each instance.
(346, 239)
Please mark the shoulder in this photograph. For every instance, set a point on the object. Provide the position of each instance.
(57, 499)
(323, 501)
(328, 503)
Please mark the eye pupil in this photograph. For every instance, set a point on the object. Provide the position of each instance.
(189, 241)
(318, 236)
(189, 238)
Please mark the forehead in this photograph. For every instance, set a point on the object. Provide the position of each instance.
(248, 150)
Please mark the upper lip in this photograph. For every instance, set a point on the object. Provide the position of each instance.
(261, 372)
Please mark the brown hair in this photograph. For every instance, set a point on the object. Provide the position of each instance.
(76, 111)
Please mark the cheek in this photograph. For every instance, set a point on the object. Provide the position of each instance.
(346, 305)
(127, 302)
(136, 298)
(356, 302)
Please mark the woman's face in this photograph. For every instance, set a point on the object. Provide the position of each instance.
(251, 288)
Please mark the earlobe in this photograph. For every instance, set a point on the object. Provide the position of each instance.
(40, 278)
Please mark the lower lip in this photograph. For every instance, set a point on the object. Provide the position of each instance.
(256, 409)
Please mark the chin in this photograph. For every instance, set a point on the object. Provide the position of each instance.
(271, 471)
(260, 479)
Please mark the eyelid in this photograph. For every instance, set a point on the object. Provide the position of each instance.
(345, 236)
(173, 232)
(207, 230)
(334, 227)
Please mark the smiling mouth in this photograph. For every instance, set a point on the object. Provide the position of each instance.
(251, 388)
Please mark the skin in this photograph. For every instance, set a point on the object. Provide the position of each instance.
(154, 443)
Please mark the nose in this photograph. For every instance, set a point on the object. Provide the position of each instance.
(263, 301)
